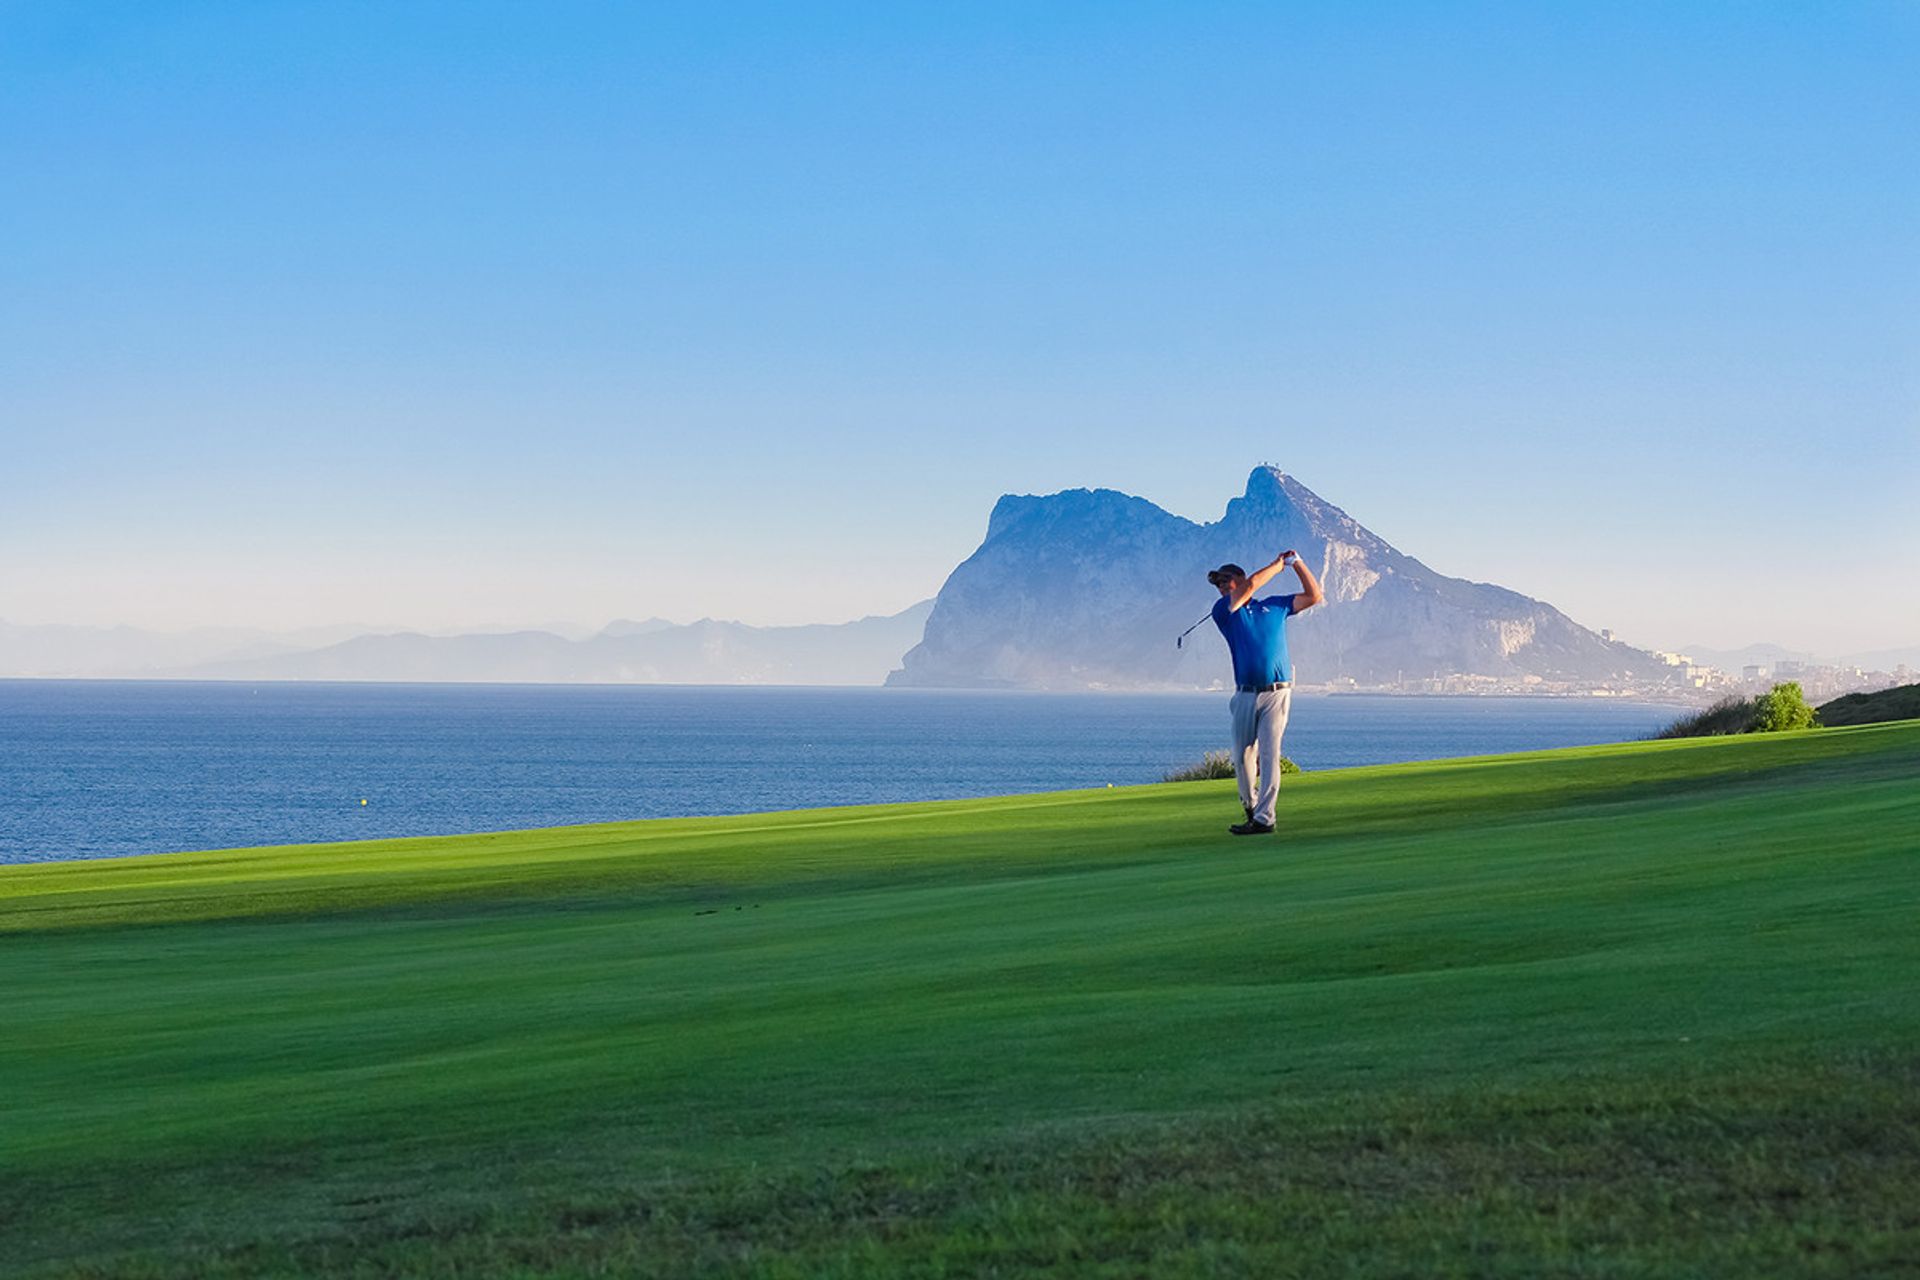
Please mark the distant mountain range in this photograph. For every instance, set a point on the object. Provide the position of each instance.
(1769, 655)
(1732, 660)
(1076, 590)
(1088, 588)
(61, 650)
(654, 651)
(1882, 659)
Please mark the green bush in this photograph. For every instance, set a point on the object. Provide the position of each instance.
(1218, 764)
(1782, 707)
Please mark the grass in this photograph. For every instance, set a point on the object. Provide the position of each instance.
(1637, 1010)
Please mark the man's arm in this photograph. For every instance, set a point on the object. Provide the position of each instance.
(1310, 594)
(1260, 579)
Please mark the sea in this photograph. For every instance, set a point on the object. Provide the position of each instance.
(108, 768)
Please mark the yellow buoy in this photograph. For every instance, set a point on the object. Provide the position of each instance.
(363, 799)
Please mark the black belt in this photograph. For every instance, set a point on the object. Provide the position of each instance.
(1265, 688)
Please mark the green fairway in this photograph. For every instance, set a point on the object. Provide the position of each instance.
(1649, 1009)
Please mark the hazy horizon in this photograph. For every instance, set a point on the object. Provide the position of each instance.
(494, 313)
(583, 623)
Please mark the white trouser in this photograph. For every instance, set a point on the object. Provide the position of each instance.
(1258, 721)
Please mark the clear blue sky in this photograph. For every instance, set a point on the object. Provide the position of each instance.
(436, 314)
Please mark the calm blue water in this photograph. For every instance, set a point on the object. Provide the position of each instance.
(93, 769)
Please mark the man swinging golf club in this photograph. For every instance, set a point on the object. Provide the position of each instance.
(1256, 632)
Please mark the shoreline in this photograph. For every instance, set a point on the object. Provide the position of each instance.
(861, 810)
(140, 768)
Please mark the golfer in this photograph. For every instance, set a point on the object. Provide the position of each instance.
(1256, 632)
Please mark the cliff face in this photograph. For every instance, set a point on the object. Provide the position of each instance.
(1088, 588)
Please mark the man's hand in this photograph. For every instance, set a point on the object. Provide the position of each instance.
(1311, 594)
(1306, 599)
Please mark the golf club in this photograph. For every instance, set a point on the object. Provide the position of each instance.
(1181, 639)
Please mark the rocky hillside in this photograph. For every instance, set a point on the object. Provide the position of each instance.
(1088, 588)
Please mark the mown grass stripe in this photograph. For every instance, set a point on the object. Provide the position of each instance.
(1643, 1009)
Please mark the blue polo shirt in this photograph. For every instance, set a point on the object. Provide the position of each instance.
(1256, 635)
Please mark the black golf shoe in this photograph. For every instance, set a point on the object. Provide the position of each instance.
(1250, 828)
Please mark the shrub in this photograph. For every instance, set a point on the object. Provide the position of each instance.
(1214, 764)
(1729, 715)
(1218, 764)
(1782, 707)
